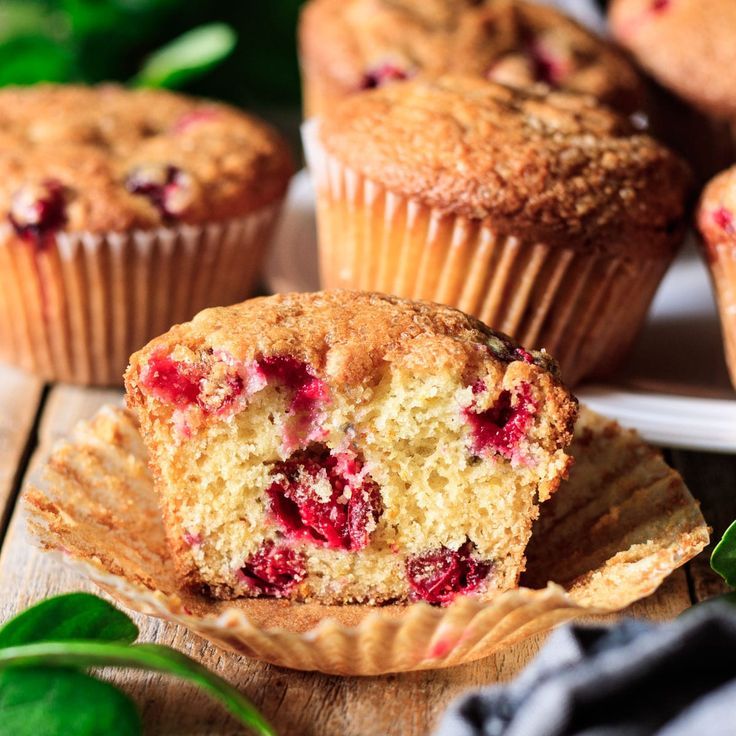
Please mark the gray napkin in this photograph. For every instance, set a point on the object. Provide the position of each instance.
(634, 679)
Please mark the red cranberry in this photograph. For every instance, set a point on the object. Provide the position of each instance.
(524, 355)
(442, 574)
(37, 211)
(723, 218)
(194, 118)
(659, 6)
(501, 427)
(345, 519)
(167, 187)
(273, 570)
(548, 67)
(380, 75)
(172, 381)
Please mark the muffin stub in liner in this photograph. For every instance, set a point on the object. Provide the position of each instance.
(583, 306)
(75, 308)
(610, 535)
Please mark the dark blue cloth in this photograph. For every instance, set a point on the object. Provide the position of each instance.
(633, 679)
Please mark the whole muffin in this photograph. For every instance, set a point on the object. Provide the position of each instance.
(685, 44)
(351, 45)
(123, 212)
(547, 217)
(346, 446)
(717, 224)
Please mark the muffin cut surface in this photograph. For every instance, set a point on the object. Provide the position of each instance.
(346, 446)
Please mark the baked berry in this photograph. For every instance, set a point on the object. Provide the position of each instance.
(383, 74)
(325, 497)
(169, 189)
(195, 118)
(37, 211)
(723, 218)
(273, 570)
(500, 428)
(440, 575)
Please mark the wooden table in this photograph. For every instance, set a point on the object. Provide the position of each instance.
(33, 416)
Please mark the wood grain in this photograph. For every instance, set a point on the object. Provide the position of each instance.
(20, 396)
(712, 479)
(298, 703)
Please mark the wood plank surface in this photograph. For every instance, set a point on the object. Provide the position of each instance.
(304, 704)
(20, 397)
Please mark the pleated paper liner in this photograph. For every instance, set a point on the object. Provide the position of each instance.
(612, 533)
(584, 307)
(722, 264)
(76, 309)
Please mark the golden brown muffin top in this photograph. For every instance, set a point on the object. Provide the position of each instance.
(107, 158)
(717, 210)
(558, 168)
(362, 43)
(688, 45)
(346, 336)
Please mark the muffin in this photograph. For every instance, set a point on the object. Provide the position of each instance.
(123, 212)
(716, 219)
(687, 46)
(352, 45)
(347, 446)
(546, 216)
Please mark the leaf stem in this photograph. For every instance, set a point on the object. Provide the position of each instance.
(153, 657)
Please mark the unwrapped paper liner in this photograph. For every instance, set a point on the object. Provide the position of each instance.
(610, 535)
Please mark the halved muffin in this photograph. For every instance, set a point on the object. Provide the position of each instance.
(348, 446)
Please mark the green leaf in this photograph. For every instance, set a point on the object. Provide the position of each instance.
(187, 56)
(58, 702)
(69, 617)
(152, 657)
(31, 59)
(723, 559)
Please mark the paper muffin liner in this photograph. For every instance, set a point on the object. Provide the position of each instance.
(610, 535)
(75, 309)
(583, 307)
(721, 259)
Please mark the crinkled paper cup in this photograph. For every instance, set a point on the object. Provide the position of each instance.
(721, 259)
(582, 306)
(609, 536)
(76, 308)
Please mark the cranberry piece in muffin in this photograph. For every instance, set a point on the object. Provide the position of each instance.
(37, 211)
(345, 45)
(170, 190)
(397, 450)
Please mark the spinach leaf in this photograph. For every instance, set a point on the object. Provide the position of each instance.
(58, 702)
(69, 617)
(723, 559)
(187, 56)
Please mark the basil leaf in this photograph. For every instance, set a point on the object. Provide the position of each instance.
(59, 702)
(723, 559)
(187, 56)
(152, 657)
(69, 617)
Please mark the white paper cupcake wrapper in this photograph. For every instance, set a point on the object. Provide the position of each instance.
(75, 310)
(584, 308)
(609, 536)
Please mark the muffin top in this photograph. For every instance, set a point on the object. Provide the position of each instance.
(346, 336)
(717, 210)
(558, 168)
(364, 43)
(111, 159)
(686, 44)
